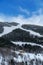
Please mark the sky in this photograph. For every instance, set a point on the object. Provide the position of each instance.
(22, 11)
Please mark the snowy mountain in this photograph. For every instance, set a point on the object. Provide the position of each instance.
(21, 44)
(25, 33)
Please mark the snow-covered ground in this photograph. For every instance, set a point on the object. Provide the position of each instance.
(28, 57)
(32, 44)
(10, 29)
(24, 57)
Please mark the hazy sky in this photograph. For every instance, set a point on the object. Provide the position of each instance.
(21, 10)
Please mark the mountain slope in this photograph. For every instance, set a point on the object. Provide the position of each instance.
(21, 35)
(21, 44)
(25, 33)
(35, 28)
(6, 24)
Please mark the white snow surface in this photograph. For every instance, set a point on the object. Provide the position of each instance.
(7, 30)
(27, 57)
(32, 44)
(10, 29)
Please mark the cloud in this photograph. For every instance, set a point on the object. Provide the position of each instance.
(34, 19)
(24, 10)
(38, 12)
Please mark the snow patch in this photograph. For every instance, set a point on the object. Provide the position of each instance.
(32, 32)
(26, 57)
(32, 44)
(9, 29)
